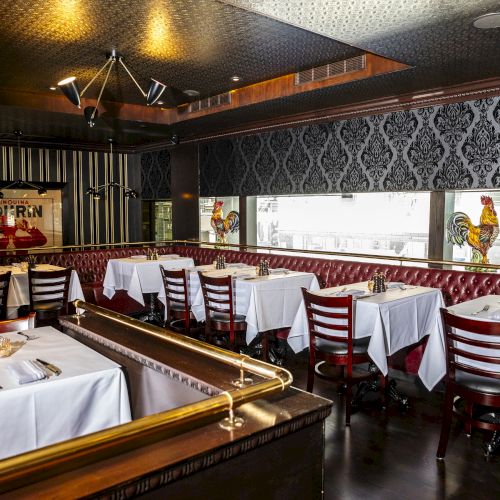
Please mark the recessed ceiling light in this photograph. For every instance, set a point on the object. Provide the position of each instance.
(191, 93)
(487, 21)
(160, 102)
(52, 88)
(235, 78)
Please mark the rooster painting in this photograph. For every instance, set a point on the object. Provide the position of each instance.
(222, 225)
(480, 238)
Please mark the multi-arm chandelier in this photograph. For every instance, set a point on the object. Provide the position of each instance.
(69, 87)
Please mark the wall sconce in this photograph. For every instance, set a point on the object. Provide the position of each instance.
(95, 192)
(69, 87)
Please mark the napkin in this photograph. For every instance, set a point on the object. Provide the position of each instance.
(236, 264)
(495, 314)
(395, 284)
(27, 371)
(353, 292)
(138, 256)
(279, 270)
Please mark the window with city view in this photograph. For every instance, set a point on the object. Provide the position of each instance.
(374, 223)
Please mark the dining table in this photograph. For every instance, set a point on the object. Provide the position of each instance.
(88, 395)
(433, 366)
(267, 302)
(397, 318)
(18, 294)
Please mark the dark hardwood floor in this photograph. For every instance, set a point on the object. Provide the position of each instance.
(391, 454)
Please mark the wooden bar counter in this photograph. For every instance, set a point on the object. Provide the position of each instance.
(277, 452)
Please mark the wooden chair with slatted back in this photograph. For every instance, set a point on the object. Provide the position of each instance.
(48, 291)
(4, 294)
(18, 324)
(331, 341)
(220, 318)
(467, 343)
(178, 313)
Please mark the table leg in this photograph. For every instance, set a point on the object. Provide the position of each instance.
(152, 316)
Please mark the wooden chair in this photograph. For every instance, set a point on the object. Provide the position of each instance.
(477, 386)
(178, 313)
(4, 293)
(220, 318)
(331, 341)
(48, 291)
(18, 324)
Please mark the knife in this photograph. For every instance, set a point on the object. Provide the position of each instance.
(50, 366)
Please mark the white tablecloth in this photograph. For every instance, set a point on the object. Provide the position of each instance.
(139, 276)
(19, 287)
(267, 302)
(394, 319)
(89, 395)
(433, 366)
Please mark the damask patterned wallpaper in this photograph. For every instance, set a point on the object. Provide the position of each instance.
(155, 175)
(453, 146)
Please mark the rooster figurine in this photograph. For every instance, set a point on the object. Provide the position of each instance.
(221, 225)
(480, 238)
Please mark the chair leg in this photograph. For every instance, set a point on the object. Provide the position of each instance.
(265, 347)
(310, 372)
(445, 425)
(384, 386)
(468, 424)
(348, 404)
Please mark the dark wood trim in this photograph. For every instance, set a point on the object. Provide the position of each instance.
(445, 95)
(436, 226)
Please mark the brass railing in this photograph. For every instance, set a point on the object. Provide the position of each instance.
(46, 462)
(278, 250)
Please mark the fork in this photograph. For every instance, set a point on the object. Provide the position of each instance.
(485, 308)
(28, 337)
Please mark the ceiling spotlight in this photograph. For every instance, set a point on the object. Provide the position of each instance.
(155, 90)
(160, 103)
(70, 89)
(42, 191)
(96, 196)
(52, 88)
(236, 78)
(90, 113)
(487, 21)
(192, 93)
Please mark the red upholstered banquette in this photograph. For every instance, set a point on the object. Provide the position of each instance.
(456, 285)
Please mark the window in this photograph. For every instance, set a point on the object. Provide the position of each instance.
(206, 207)
(469, 202)
(374, 223)
(157, 220)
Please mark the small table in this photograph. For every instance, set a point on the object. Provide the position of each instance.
(90, 394)
(267, 302)
(19, 287)
(395, 319)
(140, 276)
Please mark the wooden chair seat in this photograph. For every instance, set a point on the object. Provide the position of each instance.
(18, 324)
(331, 342)
(48, 306)
(466, 378)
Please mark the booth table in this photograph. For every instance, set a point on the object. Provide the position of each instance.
(19, 287)
(267, 302)
(397, 318)
(89, 395)
(139, 276)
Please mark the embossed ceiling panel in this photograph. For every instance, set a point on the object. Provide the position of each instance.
(190, 44)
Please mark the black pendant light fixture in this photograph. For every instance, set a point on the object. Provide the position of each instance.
(19, 183)
(69, 87)
(98, 191)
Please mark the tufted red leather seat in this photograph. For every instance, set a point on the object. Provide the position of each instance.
(456, 285)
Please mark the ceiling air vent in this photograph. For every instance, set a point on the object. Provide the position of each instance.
(210, 102)
(328, 70)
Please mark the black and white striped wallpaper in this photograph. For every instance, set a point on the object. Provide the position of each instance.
(85, 220)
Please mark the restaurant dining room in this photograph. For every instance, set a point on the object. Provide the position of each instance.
(249, 249)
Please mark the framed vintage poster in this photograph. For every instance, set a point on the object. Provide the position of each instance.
(29, 220)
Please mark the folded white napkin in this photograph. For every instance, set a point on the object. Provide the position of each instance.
(491, 314)
(352, 292)
(236, 264)
(138, 256)
(27, 371)
(395, 284)
(278, 270)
